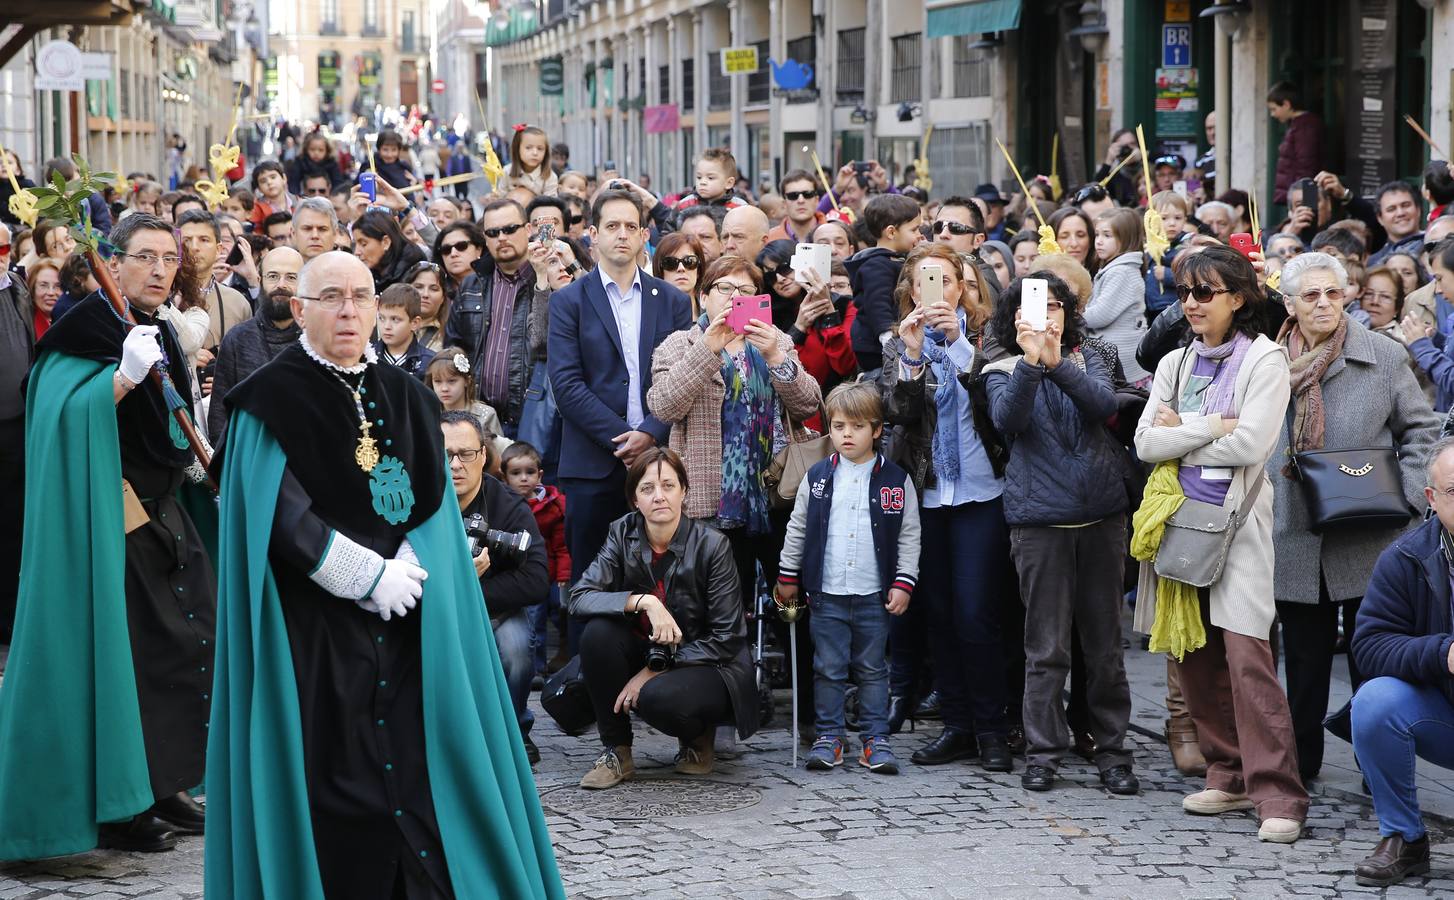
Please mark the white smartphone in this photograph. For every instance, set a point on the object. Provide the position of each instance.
(1180, 188)
(817, 257)
(931, 285)
(1033, 308)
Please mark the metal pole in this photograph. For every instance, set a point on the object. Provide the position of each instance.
(1222, 98)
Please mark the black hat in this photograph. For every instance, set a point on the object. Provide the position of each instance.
(990, 194)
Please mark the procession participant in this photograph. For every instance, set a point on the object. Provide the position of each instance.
(394, 766)
(103, 717)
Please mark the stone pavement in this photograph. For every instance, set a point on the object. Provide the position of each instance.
(760, 829)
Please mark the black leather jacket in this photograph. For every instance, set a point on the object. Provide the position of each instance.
(469, 323)
(702, 595)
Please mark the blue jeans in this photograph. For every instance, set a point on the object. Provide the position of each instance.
(850, 632)
(1393, 722)
(540, 615)
(512, 639)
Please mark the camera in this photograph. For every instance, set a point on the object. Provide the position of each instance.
(660, 657)
(830, 319)
(503, 545)
(863, 168)
(618, 185)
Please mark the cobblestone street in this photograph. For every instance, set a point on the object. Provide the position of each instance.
(759, 829)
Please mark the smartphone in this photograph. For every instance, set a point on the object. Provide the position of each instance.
(931, 285)
(235, 256)
(1309, 194)
(1242, 242)
(545, 233)
(812, 257)
(1034, 306)
(744, 309)
(368, 184)
(1181, 188)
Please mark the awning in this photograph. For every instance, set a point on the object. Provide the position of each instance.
(974, 17)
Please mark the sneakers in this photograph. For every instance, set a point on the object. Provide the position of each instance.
(827, 754)
(612, 767)
(696, 757)
(1280, 831)
(1212, 802)
(877, 757)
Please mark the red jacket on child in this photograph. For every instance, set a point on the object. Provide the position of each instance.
(548, 505)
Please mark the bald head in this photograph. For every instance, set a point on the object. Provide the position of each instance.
(339, 334)
(744, 232)
(1439, 229)
(332, 268)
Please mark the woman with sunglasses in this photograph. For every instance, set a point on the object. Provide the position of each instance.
(679, 261)
(726, 393)
(1076, 233)
(456, 247)
(816, 320)
(1216, 409)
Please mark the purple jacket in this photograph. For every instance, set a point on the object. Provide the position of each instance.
(1300, 155)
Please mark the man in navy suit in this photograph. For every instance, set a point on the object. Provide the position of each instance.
(603, 329)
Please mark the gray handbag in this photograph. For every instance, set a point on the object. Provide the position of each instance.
(1198, 537)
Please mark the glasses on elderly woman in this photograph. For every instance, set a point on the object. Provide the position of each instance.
(728, 289)
(1334, 295)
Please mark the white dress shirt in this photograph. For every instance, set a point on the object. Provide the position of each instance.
(627, 311)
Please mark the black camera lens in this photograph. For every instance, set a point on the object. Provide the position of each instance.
(504, 546)
(659, 657)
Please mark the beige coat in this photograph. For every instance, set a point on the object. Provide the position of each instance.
(1242, 602)
(226, 309)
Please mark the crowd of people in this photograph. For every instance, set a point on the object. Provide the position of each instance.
(955, 450)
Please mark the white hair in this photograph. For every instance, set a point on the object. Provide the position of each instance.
(1294, 269)
(1217, 206)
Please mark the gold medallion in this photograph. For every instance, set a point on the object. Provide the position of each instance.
(366, 454)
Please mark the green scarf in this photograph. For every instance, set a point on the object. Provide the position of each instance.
(259, 834)
(71, 750)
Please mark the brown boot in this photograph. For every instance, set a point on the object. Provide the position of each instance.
(696, 757)
(1186, 750)
(612, 767)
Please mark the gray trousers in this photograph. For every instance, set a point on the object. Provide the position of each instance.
(1073, 575)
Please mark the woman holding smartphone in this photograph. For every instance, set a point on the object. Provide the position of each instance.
(957, 463)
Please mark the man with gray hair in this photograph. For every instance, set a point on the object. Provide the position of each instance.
(1404, 644)
(314, 222)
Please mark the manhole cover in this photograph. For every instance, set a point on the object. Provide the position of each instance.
(651, 799)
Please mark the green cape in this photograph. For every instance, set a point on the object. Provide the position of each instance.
(259, 835)
(71, 750)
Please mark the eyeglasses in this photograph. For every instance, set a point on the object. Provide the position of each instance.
(1093, 192)
(464, 456)
(1287, 252)
(1379, 296)
(458, 247)
(728, 289)
(958, 228)
(1334, 295)
(4, 249)
(1202, 293)
(149, 260)
(493, 233)
(284, 277)
(801, 195)
(672, 263)
(332, 300)
(315, 192)
(1053, 305)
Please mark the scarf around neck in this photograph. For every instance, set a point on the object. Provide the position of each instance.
(1220, 398)
(748, 412)
(1308, 369)
(945, 446)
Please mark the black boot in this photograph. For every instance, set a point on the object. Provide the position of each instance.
(143, 834)
(181, 813)
(946, 748)
(994, 753)
(899, 714)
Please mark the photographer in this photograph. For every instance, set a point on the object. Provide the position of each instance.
(513, 577)
(665, 636)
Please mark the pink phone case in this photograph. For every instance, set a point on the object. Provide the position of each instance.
(744, 309)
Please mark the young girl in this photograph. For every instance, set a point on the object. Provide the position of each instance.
(1160, 283)
(530, 161)
(144, 197)
(433, 305)
(449, 375)
(1116, 312)
(388, 158)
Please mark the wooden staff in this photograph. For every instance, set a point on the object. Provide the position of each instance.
(1119, 166)
(442, 182)
(827, 186)
(1425, 135)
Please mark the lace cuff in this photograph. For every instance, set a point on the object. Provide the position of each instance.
(348, 569)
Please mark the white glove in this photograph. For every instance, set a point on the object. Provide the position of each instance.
(139, 352)
(398, 590)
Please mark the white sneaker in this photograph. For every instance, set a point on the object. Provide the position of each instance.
(1212, 802)
(1280, 831)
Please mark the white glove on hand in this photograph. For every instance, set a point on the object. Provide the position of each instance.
(139, 352)
(398, 590)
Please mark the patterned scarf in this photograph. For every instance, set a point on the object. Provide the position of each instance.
(1220, 398)
(1309, 366)
(747, 438)
(946, 402)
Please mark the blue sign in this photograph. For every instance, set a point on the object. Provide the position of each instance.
(1175, 46)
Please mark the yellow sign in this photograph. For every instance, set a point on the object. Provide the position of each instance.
(739, 60)
(1178, 10)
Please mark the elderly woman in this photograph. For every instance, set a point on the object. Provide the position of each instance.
(1350, 389)
(956, 459)
(665, 635)
(1216, 409)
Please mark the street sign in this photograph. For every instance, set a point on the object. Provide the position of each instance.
(739, 60)
(1175, 46)
(97, 66)
(58, 67)
(437, 85)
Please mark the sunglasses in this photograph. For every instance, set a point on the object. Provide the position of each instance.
(4, 249)
(958, 228)
(493, 233)
(458, 247)
(1093, 192)
(1202, 293)
(575, 220)
(801, 195)
(672, 263)
(779, 272)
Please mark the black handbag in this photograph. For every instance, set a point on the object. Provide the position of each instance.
(1355, 488)
(567, 701)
